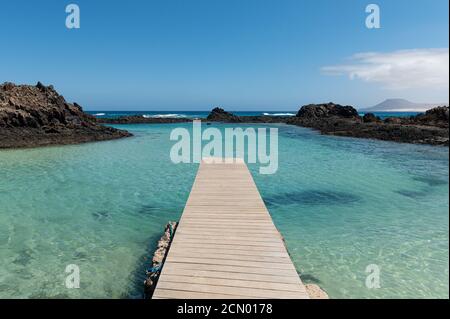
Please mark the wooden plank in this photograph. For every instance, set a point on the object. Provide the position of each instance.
(186, 268)
(241, 216)
(229, 226)
(237, 253)
(233, 275)
(242, 291)
(177, 294)
(234, 225)
(221, 255)
(230, 239)
(221, 262)
(243, 247)
(236, 234)
(293, 287)
(230, 242)
(226, 245)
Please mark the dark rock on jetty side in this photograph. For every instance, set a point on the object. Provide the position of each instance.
(159, 257)
(32, 116)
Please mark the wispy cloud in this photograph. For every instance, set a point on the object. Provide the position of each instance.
(398, 70)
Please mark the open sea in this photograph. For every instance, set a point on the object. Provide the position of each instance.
(341, 204)
(204, 114)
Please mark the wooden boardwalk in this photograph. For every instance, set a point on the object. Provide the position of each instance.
(226, 245)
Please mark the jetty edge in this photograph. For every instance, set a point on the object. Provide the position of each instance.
(226, 245)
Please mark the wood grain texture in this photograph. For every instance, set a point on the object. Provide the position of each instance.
(226, 245)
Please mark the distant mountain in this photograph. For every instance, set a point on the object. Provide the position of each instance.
(402, 105)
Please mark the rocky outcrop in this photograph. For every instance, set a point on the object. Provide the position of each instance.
(371, 118)
(320, 111)
(213, 117)
(220, 115)
(33, 116)
(438, 117)
(332, 119)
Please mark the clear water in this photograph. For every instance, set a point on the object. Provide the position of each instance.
(341, 204)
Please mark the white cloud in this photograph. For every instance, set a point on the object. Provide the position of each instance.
(399, 70)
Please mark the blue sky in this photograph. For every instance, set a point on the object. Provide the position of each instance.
(240, 54)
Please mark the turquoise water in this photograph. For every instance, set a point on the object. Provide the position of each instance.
(341, 204)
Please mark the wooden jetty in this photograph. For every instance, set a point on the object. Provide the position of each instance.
(226, 245)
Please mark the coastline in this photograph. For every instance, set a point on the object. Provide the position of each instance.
(429, 128)
(34, 116)
(22, 139)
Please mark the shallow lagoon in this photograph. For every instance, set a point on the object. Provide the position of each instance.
(341, 204)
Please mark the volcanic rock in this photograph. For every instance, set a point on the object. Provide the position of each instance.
(32, 116)
(220, 115)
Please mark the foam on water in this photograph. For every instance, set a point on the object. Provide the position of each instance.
(164, 116)
(340, 203)
(279, 114)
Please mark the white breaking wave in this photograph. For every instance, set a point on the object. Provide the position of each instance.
(158, 116)
(99, 114)
(279, 114)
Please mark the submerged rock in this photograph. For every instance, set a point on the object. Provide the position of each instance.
(312, 197)
(33, 116)
(315, 292)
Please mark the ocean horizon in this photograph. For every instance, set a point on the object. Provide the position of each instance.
(204, 114)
